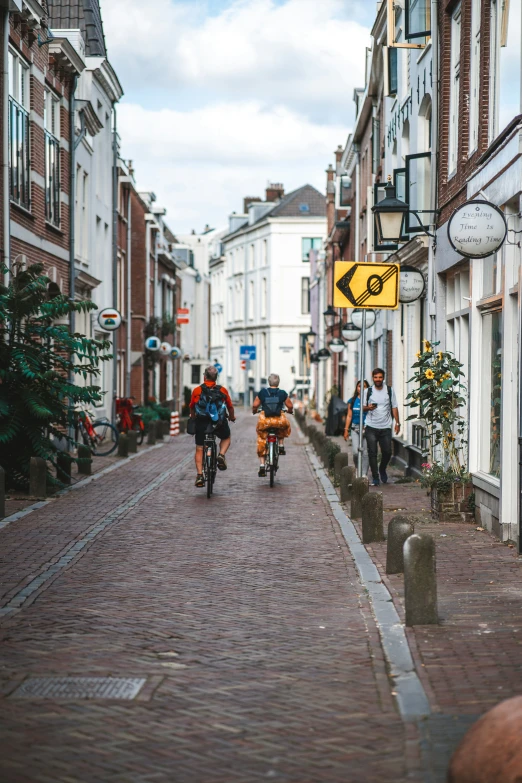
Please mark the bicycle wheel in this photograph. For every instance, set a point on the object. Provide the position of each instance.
(271, 465)
(209, 476)
(105, 438)
(141, 432)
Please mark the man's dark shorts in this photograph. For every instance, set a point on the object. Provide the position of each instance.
(222, 431)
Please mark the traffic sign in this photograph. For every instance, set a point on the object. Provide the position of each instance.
(366, 285)
(247, 352)
(243, 364)
(218, 366)
(182, 320)
(183, 311)
(109, 319)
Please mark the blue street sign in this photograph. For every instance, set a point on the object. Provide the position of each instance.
(247, 352)
(218, 366)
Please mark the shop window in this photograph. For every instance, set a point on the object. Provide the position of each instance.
(418, 20)
(307, 244)
(492, 391)
(417, 187)
(491, 275)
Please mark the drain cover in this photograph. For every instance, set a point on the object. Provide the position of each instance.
(79, 688)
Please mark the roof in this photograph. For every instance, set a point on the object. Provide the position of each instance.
(82, 14)
(306, 201)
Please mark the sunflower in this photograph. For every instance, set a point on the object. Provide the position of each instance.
(427, 346)
(446, 375)
(429, 374)
(439, 356)
(418, 354)
(445, 414)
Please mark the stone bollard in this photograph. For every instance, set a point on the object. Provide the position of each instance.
(158, 424)
(399, 529)
(2, 493)
(420, 581)
(132, 438)
(151, 434)
(63, 467)
(123, 445)
(37, 477)
(340, 461)
(165, 425)
(491, 749)
(84, 460)
(360, 487)
(348, 474)
(372, 517)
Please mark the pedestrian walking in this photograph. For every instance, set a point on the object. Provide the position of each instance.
(352, 426)
(380, 406)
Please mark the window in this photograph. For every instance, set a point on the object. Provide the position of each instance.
(251, 300)
(393, 81)
(454, 92)
(491, 275)
(418, 178)
(505, 64)
(19, 171)
(418, 19)
(252, 256)
(195, 373)
(308, 244)
(264, 258)
(474, 67)
(305, 295)
(376, 145)
(492, 391)
(345, 194)
(52, 157)
(264, 354)
(263, 297)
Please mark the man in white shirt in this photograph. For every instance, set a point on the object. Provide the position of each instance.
(380, 403)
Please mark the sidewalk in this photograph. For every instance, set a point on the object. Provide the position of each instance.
(472, 660)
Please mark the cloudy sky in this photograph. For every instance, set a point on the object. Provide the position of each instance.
(222, 96)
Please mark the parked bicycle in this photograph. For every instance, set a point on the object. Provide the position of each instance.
(128, 417)
(99, 435)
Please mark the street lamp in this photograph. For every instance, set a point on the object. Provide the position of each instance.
(358, 315)
(389, 216)
(314, 358)
(310, 337)
(350, 332)
(336, 345)
(330, 317)
(323, 354)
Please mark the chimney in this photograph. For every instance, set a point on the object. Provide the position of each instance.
(249, 200)
(274, 191)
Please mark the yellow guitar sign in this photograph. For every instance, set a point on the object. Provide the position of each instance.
(366, 285)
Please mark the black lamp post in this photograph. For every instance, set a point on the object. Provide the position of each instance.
(389, 216)
(330, 317)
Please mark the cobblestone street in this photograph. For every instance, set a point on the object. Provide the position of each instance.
(244, 614)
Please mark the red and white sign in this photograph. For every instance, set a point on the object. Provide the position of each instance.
(183, 320)
(242, 364)
(183, 311)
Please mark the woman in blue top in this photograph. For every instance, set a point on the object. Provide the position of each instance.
(353, 419)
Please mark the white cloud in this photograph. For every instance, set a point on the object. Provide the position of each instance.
(202, 162)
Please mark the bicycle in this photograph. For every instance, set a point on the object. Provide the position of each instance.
(100, 435)
(272, 453)
(129, 418)
(209, 458)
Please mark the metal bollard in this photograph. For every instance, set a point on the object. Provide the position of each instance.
(159, 429)
(84, 460)
(132, 438)
(340, 461)
(420, 581)
(348, 474)
(372, 517)
(399, 529)
(63, 467)
(360, 487)
(123, 445)
(37, 477)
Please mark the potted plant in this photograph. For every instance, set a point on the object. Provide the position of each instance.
(438, 398)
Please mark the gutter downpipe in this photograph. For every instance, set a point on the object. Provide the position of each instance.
(114, 260)
(6, 205)
(72, 226)
(128, 298)
(432, 295)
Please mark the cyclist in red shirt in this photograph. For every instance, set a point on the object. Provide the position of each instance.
(222, 430)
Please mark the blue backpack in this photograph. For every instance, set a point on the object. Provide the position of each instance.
(211, 403)
(272, 404)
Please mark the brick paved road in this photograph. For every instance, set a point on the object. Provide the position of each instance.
(244, 613)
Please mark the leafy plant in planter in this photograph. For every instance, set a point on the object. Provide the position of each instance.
(438, 398)
(38, 358)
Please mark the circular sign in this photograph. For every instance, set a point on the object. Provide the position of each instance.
(152, 343)
(109, 319)
(175, 352)
(411, 284)
(218, 366)
(477, 229)
(165, 349)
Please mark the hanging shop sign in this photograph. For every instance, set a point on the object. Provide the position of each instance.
(152, 343)
(109, 319)
(366, 285)
(477, 229)
(175, 352)
(166, 349)
(412, 284)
